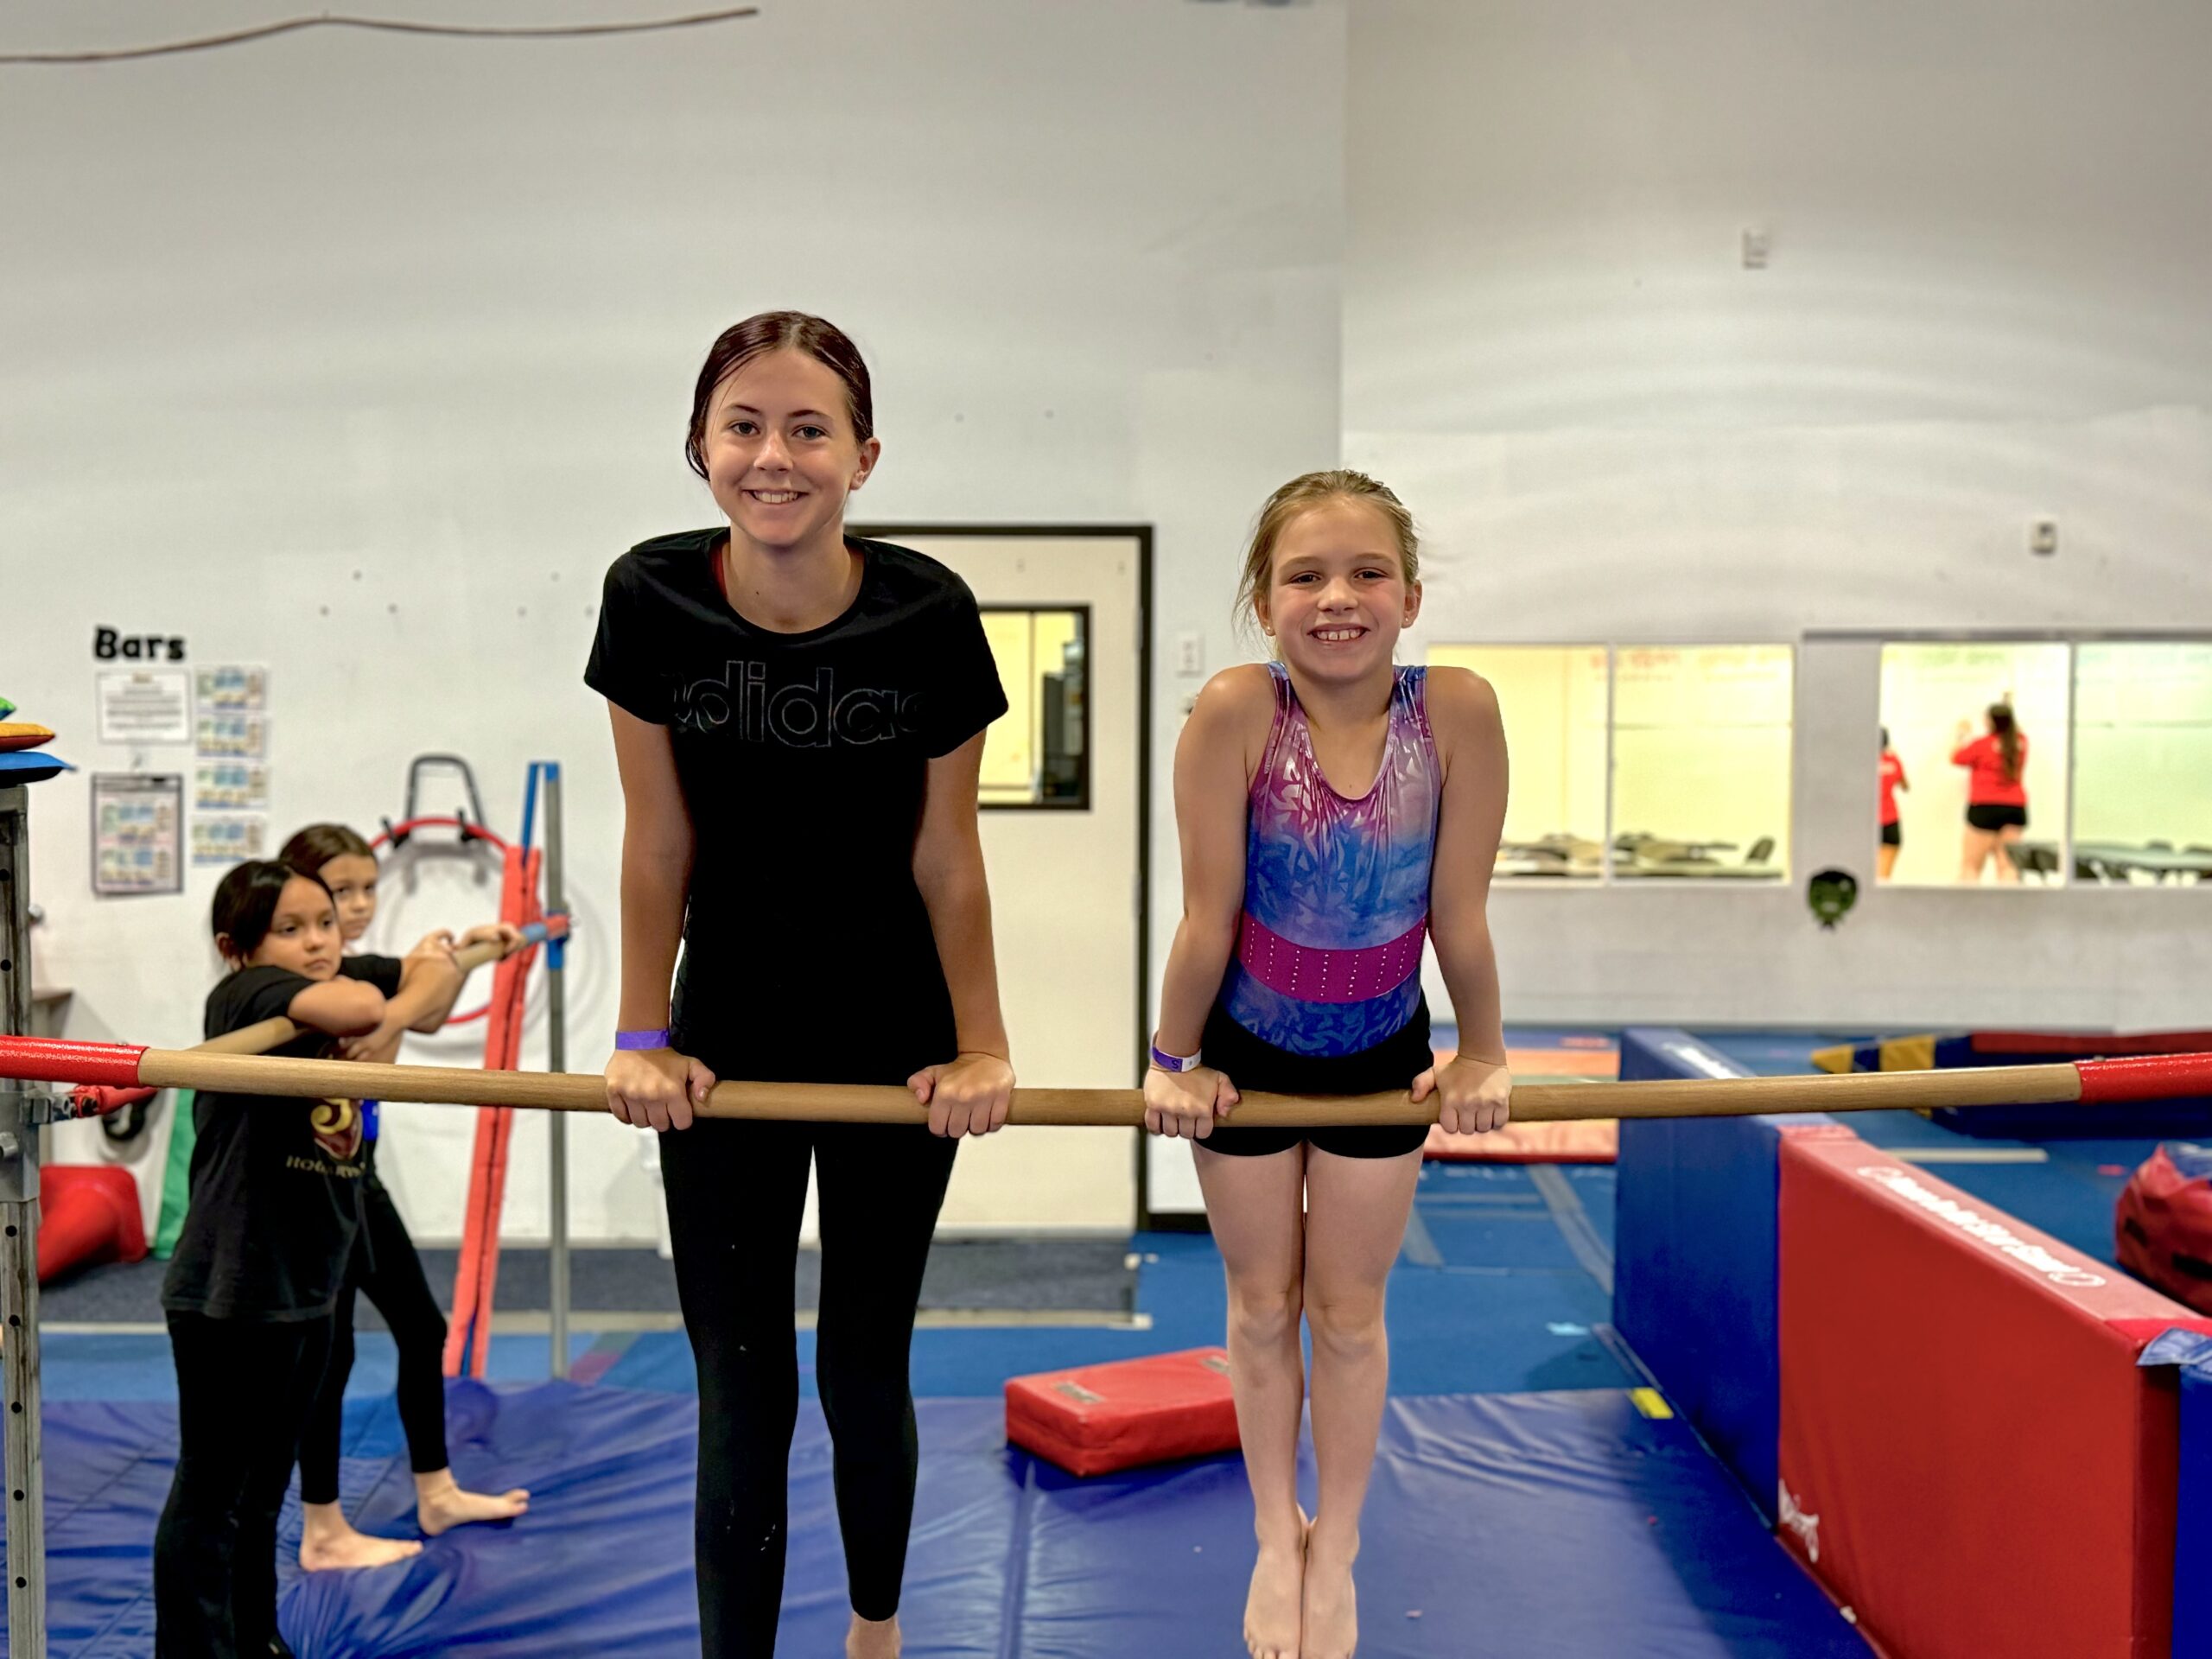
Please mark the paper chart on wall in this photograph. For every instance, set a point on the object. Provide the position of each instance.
(227, 838)
(137, 833)
(151, 705)
(240, 736)
(230, 786)
(232, 689)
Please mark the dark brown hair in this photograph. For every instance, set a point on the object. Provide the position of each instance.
(316, 845)
(774, 331)
(2008, 738)
(245, 903)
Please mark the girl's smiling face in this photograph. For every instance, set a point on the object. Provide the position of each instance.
(781, 451)
(1337, 597)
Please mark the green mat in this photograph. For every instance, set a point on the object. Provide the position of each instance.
(177, 1175)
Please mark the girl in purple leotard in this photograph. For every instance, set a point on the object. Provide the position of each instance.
(1336, 810)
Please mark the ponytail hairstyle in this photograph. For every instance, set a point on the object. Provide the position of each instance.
(2008, 738)
(771, 331)
(314, 847)
(1300, 496)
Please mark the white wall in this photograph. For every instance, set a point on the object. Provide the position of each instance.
(1989, 246)
(360, 357)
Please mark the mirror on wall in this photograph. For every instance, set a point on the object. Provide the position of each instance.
(2143, 763)
(1974, 757)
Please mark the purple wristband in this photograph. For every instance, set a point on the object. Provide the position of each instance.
(634, 1040)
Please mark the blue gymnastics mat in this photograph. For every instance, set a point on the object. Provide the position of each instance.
(1538, 1526)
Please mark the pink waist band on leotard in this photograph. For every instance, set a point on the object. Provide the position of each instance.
(1312, 975)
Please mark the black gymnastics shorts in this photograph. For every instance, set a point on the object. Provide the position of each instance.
(1893, 835)
(1258, 1067)
(1998, 817)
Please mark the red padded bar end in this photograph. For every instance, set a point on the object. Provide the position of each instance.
(50, 1059)
(2146, 1076)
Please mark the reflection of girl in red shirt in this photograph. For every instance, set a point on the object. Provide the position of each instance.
(1893, 779)
(1997, 800)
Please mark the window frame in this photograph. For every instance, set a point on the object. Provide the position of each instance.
(1082, 802)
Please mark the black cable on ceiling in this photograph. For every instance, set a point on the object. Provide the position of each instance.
(393, 26)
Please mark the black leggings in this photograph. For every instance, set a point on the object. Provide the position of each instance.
(243, 1387)
(735, 1192)
(386, 1269)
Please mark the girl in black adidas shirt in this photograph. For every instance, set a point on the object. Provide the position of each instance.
(274, 1208)
(799, 720)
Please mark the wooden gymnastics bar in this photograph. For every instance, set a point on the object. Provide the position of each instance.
(264, 1035)
(2089, 1082)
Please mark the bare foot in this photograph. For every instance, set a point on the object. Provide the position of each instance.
(441, 1505)
(1331, 1612)
(328, 1541)
(1271, 1608)
(873, 1638)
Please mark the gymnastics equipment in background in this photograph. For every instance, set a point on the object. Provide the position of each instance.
(1940, 1407)
(2094, 1084)
(1097, 1420)
(2162, 1224)
(1582, 1141)
(2176, 1115)
(92, 1217)
(1696, 1273)
(2186, 1356)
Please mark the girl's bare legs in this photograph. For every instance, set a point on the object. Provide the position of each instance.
(1256, 1207)
(1973, 855)
(2008, 868)
(1356, 1220)
(1887, 861)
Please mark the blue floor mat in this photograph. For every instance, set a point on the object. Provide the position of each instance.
(1551, 1526)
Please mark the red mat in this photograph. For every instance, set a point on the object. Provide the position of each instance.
(1593, 1140)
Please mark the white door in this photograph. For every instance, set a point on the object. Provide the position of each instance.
(1061, 838)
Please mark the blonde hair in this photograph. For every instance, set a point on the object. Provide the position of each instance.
(1300, 496)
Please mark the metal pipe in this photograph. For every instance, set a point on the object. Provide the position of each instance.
(556, 1057)
(19, 1347)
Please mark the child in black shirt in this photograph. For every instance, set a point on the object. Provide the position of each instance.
(420, 990)
(274, 1208)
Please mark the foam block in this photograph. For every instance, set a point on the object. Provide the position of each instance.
(1970, 1459)
(1693, 1257)
(2162, 1226)
(89, 1215)
(1096, 1419)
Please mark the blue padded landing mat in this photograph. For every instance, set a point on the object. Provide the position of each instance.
(1544, 1526)
(1696, 1290)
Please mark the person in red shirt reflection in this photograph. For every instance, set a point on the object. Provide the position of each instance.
(1997, 803)
(1893, 779)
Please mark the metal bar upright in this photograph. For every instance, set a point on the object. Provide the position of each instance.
(19, 1356)
(556, 1057)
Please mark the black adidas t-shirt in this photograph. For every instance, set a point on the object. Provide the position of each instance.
(808, 954)
(274, 1182)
